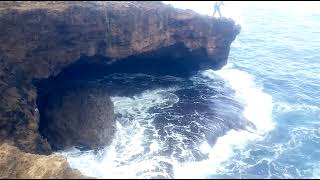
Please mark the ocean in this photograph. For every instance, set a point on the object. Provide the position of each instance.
(257, 117)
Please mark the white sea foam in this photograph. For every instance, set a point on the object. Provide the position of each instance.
(316, 171)
(125, 157)
(285, 107)
(258, 110)
(259, 105)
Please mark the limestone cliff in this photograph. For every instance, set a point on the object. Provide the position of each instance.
(38, 40)
(16, 164)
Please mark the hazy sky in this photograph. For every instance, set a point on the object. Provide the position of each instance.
(233, 8)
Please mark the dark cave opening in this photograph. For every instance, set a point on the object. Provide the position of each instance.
(176, 60)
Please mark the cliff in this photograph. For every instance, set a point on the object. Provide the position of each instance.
(39, 41)
(15, 164)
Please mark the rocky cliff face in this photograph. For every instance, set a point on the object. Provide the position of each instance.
(39, 40)
(16, 164)
(81, 116)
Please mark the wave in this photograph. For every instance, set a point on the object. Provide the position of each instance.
(126, 156)
(285, 107)
(139, 149)
(316, 171)
(258, 110)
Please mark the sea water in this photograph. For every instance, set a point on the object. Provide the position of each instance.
(257, 117)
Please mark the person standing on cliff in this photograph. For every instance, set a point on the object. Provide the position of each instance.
(217, 7)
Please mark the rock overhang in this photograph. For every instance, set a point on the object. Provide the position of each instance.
(40, 40)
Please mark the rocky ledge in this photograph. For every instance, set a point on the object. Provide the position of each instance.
(45, 45)
(15, 164)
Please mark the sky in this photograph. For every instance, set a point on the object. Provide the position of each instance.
(233, 8)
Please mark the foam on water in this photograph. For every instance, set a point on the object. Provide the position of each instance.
(285, 107)
(258, 103)
(126, 156)
(288, 151)
(316, 171)
(258, 110)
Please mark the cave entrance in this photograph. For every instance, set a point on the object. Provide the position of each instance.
(75, 98)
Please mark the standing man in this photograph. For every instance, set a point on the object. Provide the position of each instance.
(217, 7)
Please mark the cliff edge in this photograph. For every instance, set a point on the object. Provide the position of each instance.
(39, 40)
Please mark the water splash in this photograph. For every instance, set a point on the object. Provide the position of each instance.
(258, 110)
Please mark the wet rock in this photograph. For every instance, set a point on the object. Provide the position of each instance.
(79, 116)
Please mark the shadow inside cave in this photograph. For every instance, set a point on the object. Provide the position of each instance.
(175, 61)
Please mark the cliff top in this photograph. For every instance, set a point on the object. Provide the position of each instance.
(63, 5)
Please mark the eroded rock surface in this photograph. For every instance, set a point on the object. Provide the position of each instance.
(39, 39)
(16, 164)
(78, 116)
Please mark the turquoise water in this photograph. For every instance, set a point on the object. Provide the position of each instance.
(282, 51)
(198, 127)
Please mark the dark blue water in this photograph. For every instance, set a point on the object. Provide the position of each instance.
(281, 50)
(258, 117)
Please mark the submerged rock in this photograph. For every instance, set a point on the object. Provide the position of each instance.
(80, 116)
(16, 164)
